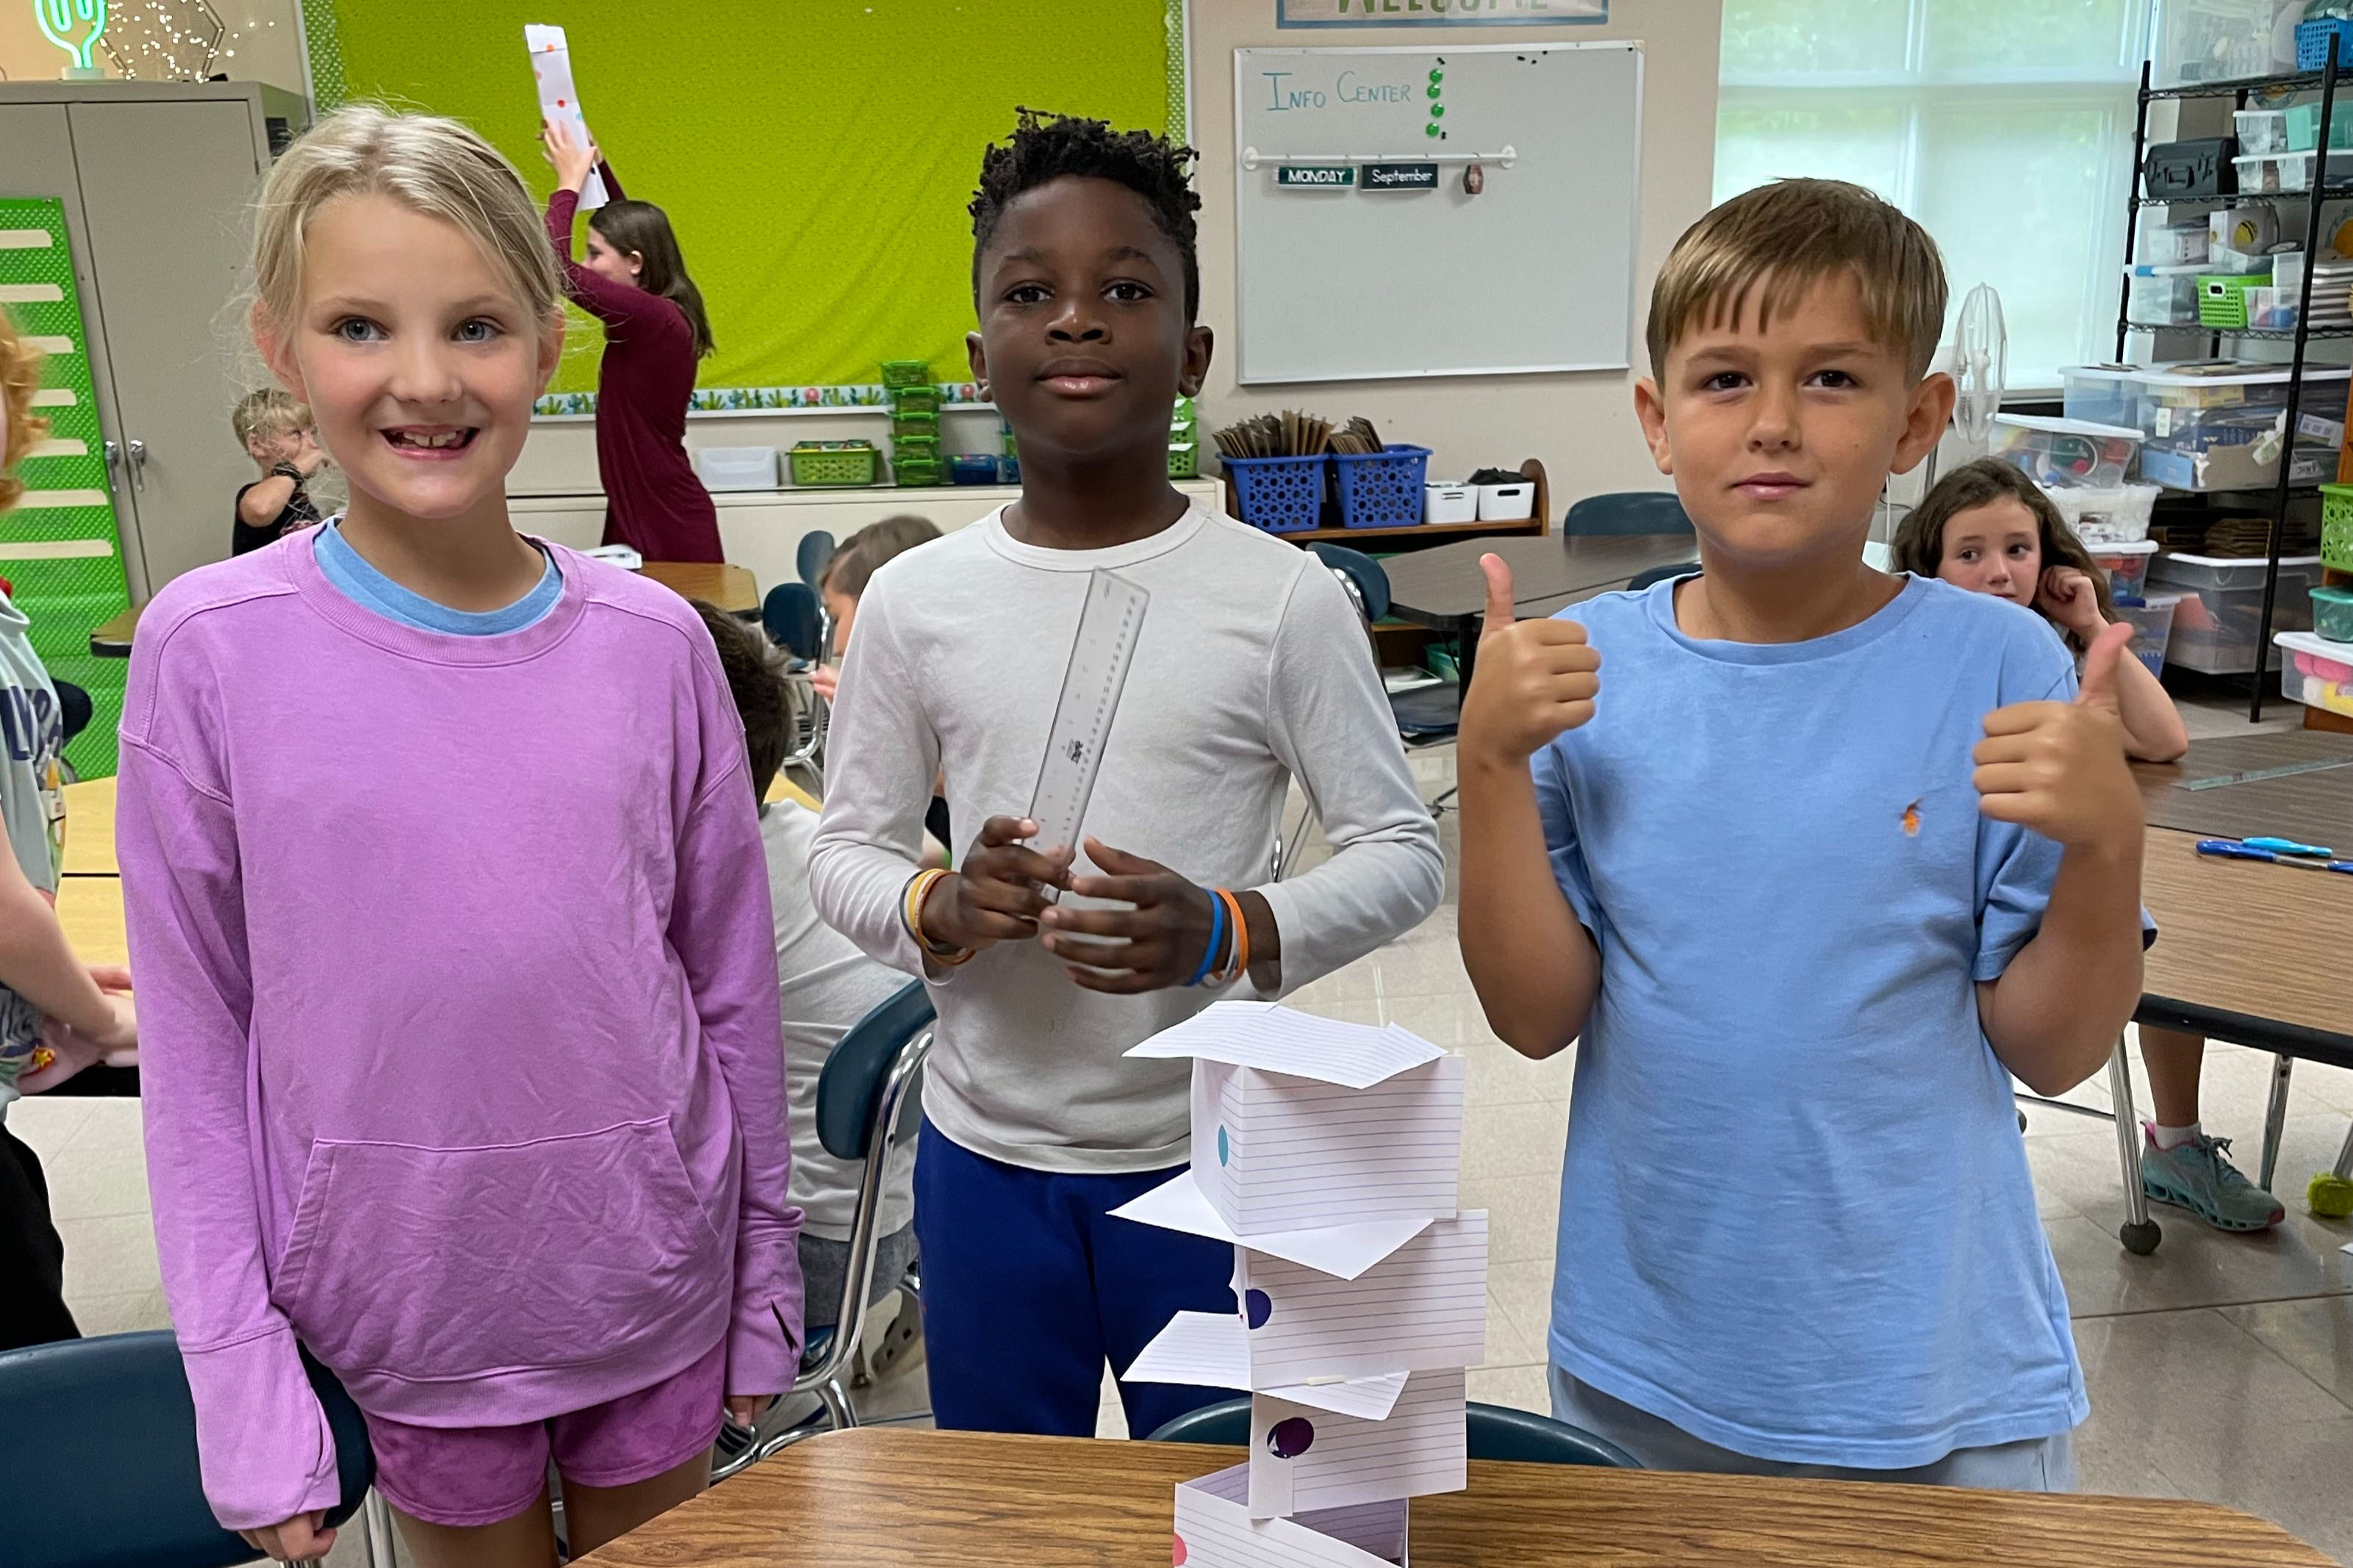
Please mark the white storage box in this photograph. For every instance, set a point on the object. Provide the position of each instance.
(2125, 564)
(2214, 625)
(2315, 672)
(1507, 503)
(736, 468)
(2174, 244)
(2100, 517)
(2270, 173)
(2261, 130)
(2249, 230)
(1443, 500)
(2162, 296)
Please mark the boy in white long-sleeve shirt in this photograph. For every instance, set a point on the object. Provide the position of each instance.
(1250, 669)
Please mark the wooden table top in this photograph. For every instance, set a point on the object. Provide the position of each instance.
(2246, 951)
(90, 910)
(723, 583)
(2314, 805)
(731, 587)
(1443, 588)
(89, 828)
(878, 1495)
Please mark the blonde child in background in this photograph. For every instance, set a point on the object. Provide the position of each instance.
(274, 431)
(1987, 528)
(844, 577)
(51, 1004)
(445, 895)
(1808, 860)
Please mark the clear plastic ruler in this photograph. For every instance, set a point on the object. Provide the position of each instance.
(1108, 627)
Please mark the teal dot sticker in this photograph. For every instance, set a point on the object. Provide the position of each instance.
(1222, 1146)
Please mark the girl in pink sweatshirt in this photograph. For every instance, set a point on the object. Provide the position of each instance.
(451, 929)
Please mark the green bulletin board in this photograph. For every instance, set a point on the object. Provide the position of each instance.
(58, 548)
(816, 156)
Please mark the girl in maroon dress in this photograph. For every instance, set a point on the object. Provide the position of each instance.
(635, 282)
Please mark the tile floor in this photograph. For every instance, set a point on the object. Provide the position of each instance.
(2220, 1368)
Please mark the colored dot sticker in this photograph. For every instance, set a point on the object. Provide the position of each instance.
(1177, 1552)
(1289, 1438)
(1430, 130)
(1433, 89)
(1256, 1307)
(1223, 1151)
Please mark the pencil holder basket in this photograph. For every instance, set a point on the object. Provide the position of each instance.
(1281, 495)
(833, 463)
(2337, 527)
(1383, 489)
(2312, 43)
(906, 372)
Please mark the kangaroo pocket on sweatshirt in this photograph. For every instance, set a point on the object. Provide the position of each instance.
(451, 1263)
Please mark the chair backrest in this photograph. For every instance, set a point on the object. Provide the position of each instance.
(816, 550)
(1371, 583)
(849, 1088)
(1492, 1432)
(790, 614)
(1627, 511)
(97, 1457)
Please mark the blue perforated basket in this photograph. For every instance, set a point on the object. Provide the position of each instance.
(1383, 489)
(1281, 495)
(2312, 43)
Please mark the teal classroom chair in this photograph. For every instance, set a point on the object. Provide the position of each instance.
(795, 621)
(98, 1458)
(1626, 512)
(808, 561)
(872, 1081)
(1490, 1432)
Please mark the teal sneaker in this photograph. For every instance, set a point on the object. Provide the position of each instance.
(2198, 1176)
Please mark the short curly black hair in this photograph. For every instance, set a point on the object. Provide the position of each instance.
(1045, 148)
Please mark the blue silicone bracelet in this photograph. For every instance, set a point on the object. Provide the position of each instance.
(1217, 930)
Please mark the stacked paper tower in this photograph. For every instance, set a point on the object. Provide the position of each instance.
(1328, 1153)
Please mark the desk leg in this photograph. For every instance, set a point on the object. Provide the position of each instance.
(2139, 1233)
(376, 1523)
(2275, 1116)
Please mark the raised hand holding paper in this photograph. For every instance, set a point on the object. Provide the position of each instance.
(559, 100)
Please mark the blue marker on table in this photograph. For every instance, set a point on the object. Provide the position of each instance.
(2233, 849)
(2290, 847)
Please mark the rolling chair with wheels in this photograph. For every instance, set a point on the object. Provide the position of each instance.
(871, 1080)
(1624, 512)
(815, 549)
(98, 1458)
(795, 621)
(1490, 1432)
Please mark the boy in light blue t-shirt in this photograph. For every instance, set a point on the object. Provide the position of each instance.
(1813, 865)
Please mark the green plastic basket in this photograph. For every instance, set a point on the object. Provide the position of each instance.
(1184, 459)
(915, 449)
(821, 463)
(914, 400)
(2222, 298)
(903, 423)
(906, 372)
(919, 471)
(2337, 527)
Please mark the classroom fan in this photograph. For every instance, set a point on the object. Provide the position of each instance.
(1981, 362)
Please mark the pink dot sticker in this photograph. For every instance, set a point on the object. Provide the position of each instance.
(1176, 1555)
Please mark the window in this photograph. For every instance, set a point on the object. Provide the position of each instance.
(2004, 126)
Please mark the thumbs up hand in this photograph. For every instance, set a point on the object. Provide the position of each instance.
(2059, 767)
(1534, 680)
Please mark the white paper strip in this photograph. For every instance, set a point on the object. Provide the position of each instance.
(1210, 1350)
(559, 99)
(1341, 1251)
(1274, 1038)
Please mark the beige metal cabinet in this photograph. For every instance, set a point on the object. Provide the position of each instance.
(156, 179)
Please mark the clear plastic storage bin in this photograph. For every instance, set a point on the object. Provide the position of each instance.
(2125, 564)
(2064, 451)
(2268, 173)
(2261, 130)
(2162, 297)
(2332, 616)
(2173, 243)
(2117, 516)
(2216, 625)
(2314, 672)
(2152, 625)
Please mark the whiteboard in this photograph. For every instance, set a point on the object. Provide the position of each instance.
(1534, 273)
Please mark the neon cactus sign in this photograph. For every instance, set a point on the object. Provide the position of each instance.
(60, 20)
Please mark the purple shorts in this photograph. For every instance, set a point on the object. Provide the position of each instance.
(479, 1475)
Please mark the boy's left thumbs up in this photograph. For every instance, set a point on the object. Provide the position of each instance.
(2098, 686)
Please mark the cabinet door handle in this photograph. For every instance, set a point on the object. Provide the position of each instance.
(113, 450)
(138, 450)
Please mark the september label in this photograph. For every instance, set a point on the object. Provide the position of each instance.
(1401, 177)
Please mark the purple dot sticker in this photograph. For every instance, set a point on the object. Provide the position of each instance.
(1257, 1308)
(1222, 1151)
(1290, 1437)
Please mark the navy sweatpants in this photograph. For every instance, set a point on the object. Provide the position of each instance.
(1030, 1285)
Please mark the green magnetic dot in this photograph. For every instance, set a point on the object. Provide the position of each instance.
(1437, 111)
(1437, 76)
(1433, 89)
(1429, 129)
